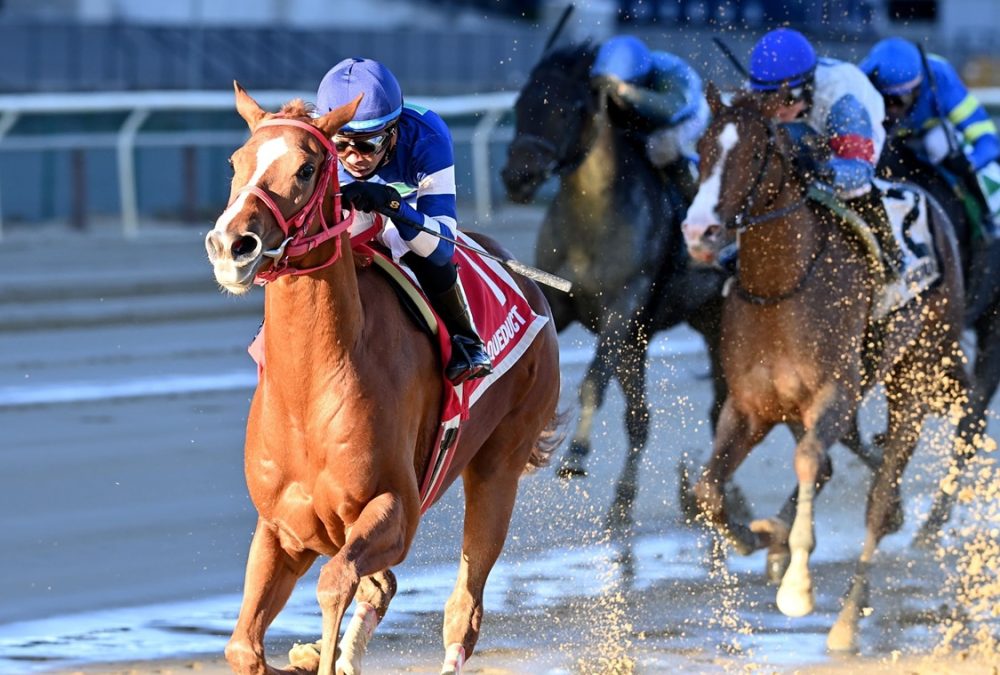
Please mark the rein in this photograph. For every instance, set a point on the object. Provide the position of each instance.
(297, 242)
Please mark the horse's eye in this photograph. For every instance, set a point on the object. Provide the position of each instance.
(232, 167)
(306, 171)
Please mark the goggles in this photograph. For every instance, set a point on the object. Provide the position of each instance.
(899, 100)
(363, 145)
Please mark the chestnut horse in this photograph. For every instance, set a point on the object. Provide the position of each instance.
(799, 346)
(344, 417)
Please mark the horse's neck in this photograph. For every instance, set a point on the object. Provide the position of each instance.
(775, 254)
(313, 322)
(595, 176)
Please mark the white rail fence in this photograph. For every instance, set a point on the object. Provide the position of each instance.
(139, 106)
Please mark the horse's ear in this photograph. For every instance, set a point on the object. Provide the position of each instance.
(247, 107)
(334, 120)
(714, 98)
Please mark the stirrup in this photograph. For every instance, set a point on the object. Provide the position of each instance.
(468, 360)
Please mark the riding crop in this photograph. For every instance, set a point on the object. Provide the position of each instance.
(510, 264)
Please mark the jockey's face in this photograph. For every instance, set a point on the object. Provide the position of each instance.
(898, 105)
(360, 154)
(779, 105)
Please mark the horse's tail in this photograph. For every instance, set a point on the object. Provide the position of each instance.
(551, 438)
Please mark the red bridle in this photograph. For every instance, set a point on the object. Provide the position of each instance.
(297, 243)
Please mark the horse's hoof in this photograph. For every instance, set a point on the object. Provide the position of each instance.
(572, 465)
(843, 637)
(795, 601)
(305, 657)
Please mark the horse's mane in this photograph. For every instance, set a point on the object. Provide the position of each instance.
(573, 60)
(297, 108)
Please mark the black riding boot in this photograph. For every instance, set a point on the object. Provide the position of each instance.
(468, 354)
(871, 208)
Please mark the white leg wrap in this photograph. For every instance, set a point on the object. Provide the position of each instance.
(356, 638)
(454, 660)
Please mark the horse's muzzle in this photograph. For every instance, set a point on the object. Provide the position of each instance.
(703, 241)
(520, 184)
(235, 258)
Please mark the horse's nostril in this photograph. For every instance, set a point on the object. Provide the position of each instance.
(244, 245)
(712, 232)
(212, 245)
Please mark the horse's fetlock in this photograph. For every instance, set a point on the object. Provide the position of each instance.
(244, 659)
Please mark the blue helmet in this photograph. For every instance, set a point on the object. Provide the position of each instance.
(383, 100)
(625, 57)
(783, 57)
(894, 66)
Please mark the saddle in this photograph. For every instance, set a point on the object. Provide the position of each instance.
(908, 210)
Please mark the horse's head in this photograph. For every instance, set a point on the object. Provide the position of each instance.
(553, 119)
(286, 161)
(743, 166)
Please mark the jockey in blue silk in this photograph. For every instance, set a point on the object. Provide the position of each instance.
(664, 91)
(398, 159)
(832, 103)
(897, 70)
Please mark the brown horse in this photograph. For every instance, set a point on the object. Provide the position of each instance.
(342, 424)
(799, 345)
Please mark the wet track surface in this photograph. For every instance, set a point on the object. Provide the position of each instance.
(126, 520)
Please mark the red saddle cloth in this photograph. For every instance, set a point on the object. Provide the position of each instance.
(506, 323)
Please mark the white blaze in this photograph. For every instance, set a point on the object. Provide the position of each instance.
(703, 210)
(267, 154)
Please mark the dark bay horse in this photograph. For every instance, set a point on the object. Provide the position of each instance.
(900, 163)
(613, 229)
(342, 423)
(799, 346)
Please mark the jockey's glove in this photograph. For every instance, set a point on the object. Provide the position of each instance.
(813, 169)
(369, 197)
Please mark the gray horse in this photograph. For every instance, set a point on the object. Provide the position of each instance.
(613, 229)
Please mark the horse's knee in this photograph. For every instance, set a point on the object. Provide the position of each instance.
(244, 659)
(337, 584)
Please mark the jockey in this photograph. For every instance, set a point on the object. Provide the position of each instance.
(397, 158)
(835, 103)
(896, 68)
(664, 92)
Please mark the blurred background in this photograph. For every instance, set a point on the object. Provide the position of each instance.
(126, 104)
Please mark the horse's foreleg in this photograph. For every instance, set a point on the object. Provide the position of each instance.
(631, 373)
(829, 417)
(490, 490)
(735, 436)
(883, 513)
(376, 540)
(371, 603)
(592, 390)
(270, 578)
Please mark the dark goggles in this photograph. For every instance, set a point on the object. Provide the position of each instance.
(363, 145)
(899, 100)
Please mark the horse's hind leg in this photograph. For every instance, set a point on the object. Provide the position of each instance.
(371, 602)
(972, 427)
(270, 578)
(490, 484)
(882, 514)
